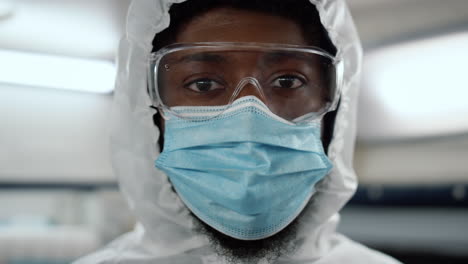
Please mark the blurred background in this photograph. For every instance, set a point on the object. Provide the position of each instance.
(59, 199)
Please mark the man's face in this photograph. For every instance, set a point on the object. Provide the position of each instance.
(233, 25)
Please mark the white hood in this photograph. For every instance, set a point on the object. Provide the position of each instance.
(165, 231)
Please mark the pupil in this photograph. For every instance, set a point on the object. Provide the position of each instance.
(286, 82)
(204, 86)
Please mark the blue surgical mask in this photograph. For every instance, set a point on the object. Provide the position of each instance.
(247, 173)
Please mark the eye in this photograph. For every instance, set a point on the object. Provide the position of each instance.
(204, 85)
(288, 82)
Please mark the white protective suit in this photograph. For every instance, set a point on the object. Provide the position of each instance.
(165, 232)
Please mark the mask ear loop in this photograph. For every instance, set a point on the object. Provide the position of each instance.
(162, 112)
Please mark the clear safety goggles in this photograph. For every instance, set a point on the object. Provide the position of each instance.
(298, 84)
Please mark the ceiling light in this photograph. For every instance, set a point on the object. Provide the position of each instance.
(417, 88)
(49, 71)
(6, 8)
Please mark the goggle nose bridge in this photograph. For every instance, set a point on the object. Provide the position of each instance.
(248, 80)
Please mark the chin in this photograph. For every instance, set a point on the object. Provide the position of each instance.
(250, 251)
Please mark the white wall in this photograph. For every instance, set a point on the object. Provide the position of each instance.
(53, 135)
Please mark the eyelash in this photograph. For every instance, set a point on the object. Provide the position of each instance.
(200, 80)
(290, 76)
(212, 82)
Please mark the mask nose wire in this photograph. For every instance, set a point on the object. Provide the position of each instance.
(254, 82)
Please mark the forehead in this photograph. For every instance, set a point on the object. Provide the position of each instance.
(235, 25)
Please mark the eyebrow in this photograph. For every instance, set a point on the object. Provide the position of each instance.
(282, 56)
(202, 57)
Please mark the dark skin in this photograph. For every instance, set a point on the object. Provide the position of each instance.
(234, 25)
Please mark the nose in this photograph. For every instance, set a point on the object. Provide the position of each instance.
(249, 86)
